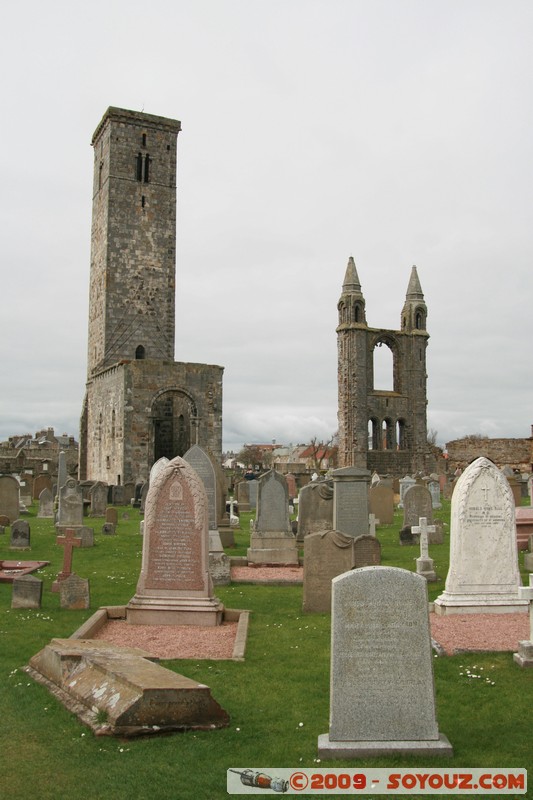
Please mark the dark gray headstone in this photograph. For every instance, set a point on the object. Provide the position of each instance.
(20, 535)
(315, 508)
(350, 501)
(46, 504)
(200, 461)
(367, 551)
(98, 497)
(417, 503)
(27, 592)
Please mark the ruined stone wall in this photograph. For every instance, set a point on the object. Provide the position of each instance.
(515, 453)
(121, 416)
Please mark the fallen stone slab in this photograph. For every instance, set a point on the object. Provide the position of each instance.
(123, 691)
(9, 570)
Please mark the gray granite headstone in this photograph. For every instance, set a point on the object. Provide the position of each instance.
(74, 592)
(70, 513)
(46, 504)
(405, 484)
(20, 535)
(27, 592)
(62, 473)
(200, 461)
(219, 564)
(315, 508)
(272, 540)
(253, 488)
(350, 500)
(382, 697)
(9, 497)
(417, 503)
(98, 497)
(434, 490)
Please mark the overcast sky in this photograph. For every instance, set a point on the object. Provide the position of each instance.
(396, 131)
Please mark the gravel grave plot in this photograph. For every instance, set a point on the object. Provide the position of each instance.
(477, 633)
(267, 574)
(173, 641)
(454, 633)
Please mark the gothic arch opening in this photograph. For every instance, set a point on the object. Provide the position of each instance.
(373, 434)
(173, 419)
(383, 366)
(387, 437)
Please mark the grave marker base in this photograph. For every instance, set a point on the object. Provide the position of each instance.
(328, 749)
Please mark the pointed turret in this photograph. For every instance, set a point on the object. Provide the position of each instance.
(414, 312)
(351, 304)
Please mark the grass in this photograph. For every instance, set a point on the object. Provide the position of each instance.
(278, 698)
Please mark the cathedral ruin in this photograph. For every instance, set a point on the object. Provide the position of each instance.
(382, 430)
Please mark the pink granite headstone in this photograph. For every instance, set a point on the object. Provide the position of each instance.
(174, 586)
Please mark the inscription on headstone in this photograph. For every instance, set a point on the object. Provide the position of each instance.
(483, 576)
(381, 659)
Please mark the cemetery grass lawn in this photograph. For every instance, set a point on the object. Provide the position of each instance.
(278, 698)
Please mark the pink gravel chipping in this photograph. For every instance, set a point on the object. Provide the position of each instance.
(454, 633)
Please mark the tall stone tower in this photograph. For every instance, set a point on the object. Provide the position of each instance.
(140, 404)
(382, 430)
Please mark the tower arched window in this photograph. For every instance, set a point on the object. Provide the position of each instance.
(140, 353)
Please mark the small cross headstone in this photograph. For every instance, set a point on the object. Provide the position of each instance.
(68, 541)
(524, 657)
(372, 522)
(424, 564)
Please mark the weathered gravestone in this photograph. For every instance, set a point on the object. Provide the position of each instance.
(272, 541)
(62, 473)
(327, 554)
(253, 493)
(433, 486)
(74, 592)
(9, 497)
(175, 587)
(41, 482)
(20, 535)
(157, 467)
(98, 498)
(483, 576)
(27, 592)
(70, 513)
(350, 500)
(144, 495)
(382, 697)
(46, 504)
(243, 495)
(367, 551)
(381, 503)
(405, 484)
(291, 486)
(417, 503)
(111, 515)
(315, 509)
(219, 564)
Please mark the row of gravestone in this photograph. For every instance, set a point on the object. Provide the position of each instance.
(27, 592)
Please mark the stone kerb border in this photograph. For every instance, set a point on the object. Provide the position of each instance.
(100, 617)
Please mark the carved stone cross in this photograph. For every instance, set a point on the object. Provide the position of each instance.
(68, 541)
(423, 529)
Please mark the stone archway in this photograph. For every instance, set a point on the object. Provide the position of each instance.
(174, 422)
